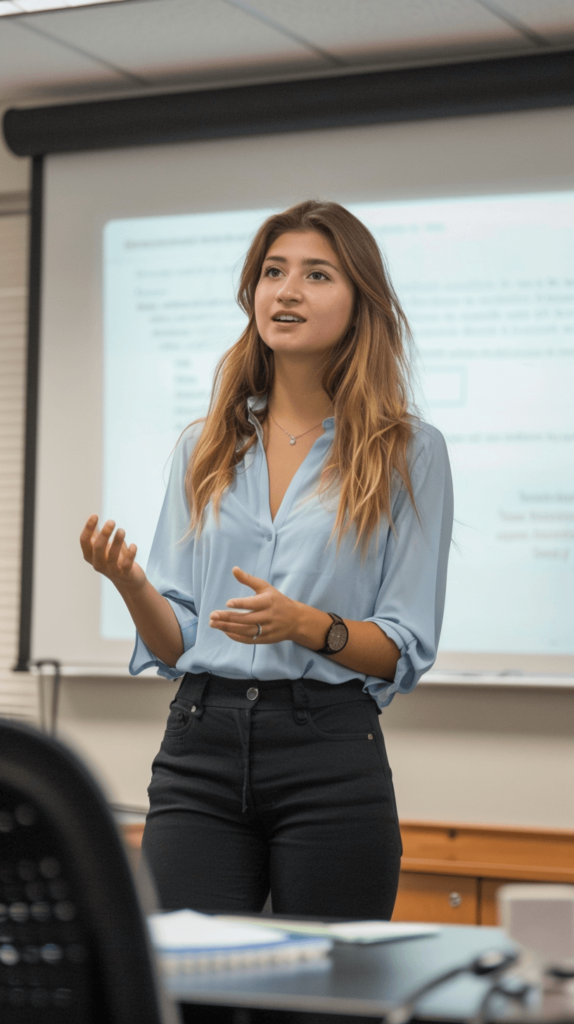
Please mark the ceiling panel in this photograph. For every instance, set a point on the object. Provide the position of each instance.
(553, 19)
(171, 40)
(143, 43)
(31, 65)
(373, 30)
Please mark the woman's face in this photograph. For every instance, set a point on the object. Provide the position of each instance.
(304, 300)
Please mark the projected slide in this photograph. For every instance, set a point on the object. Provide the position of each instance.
(488, 286)
(169, 315)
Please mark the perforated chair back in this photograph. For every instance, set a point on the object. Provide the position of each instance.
(74, 945)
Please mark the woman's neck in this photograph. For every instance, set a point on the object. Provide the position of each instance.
(298, 400)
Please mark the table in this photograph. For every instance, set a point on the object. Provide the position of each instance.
(360, 981)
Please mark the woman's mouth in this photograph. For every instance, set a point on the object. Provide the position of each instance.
(288, 318)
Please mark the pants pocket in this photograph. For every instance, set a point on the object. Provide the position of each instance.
(179, 717)
(341, 722)
(179, 727)
(382, 751)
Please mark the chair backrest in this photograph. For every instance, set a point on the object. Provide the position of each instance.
(74, 944)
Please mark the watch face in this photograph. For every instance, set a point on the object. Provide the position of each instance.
(337, 636)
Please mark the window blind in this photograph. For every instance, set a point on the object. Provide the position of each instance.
(18, 692)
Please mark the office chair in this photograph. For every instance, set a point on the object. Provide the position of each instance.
(73, 940)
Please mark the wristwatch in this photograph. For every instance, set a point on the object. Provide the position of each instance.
(337, 636)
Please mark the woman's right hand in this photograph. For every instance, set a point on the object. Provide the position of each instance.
(113, 558)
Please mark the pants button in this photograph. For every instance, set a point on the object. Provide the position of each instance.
(252, 693)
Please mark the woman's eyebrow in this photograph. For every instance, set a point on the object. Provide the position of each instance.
(317, 262)
(310, 262)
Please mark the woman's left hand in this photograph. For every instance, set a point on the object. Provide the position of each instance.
(269, 608)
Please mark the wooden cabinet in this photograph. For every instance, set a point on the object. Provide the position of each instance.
(488, 888)
(444, 860)
(449, 899)
(133, 835)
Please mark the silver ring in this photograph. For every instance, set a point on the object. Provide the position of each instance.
(260, 628)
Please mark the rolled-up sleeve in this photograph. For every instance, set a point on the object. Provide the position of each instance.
(170, 562)
(410, 602)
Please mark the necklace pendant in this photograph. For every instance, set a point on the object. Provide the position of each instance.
(293, 440)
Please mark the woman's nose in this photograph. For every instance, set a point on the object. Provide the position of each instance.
(289, 290)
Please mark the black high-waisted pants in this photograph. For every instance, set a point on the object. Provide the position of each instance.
(273, 785)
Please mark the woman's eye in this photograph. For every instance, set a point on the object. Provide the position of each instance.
(272, 272)
(318, 275)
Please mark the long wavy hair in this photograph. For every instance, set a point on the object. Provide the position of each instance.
(366, 376)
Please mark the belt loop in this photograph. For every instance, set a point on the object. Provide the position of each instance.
(201, 684)
(300, 702)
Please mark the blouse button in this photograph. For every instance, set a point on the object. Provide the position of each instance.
(269, 536)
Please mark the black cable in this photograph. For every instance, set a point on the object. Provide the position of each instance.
(560, 973)
(493, 962)
(509, 988)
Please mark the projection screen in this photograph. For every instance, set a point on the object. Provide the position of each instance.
(141, 253)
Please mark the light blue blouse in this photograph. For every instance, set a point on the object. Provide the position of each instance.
(400, 585)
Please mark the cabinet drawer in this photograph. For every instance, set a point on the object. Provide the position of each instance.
(442, 899)
(487, 902)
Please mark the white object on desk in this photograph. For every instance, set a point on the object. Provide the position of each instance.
(540, 918)
(187, 941)
(380, 931)
(364, 932)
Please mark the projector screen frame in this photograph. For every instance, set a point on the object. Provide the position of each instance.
(374, 97)
(507, 84)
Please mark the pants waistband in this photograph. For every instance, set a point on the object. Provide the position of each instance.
(209, 690)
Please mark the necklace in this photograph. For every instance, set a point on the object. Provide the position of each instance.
(294, 437)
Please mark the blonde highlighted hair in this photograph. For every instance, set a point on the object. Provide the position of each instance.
(366, 377)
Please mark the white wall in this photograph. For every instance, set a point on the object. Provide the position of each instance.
(479, 754)
(466, 754)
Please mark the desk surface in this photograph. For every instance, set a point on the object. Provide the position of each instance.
(360, 980)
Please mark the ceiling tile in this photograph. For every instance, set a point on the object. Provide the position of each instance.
(171, 40)
(372, 31)
(31, 65)
(552, 19)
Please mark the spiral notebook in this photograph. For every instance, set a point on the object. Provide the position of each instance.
(188, 942)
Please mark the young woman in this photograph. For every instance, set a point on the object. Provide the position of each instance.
(296, 582)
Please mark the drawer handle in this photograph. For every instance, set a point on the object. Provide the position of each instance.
(455, 899)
